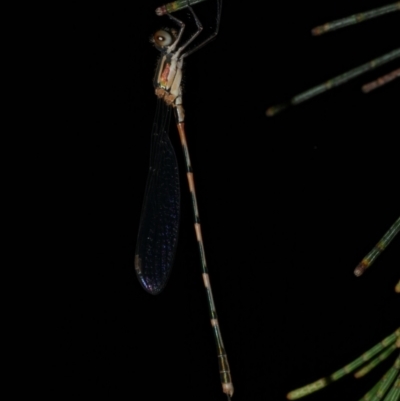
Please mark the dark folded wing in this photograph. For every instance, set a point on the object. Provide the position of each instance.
(159, 222)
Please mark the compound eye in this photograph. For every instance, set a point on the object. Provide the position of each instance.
(162, 38)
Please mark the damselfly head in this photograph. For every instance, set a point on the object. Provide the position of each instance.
(164, 38)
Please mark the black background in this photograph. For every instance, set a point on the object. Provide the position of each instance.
(289, 206)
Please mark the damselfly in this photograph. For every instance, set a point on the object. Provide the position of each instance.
(159, 223)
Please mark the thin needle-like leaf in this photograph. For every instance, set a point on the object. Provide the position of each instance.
(321, 383)
(375, 362)
(334, 82)
(175, 6)
(378, 248)
(383, 80)
(355, 19)
(394, 393)
(380, 389)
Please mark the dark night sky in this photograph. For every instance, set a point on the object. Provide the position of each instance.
(289, 206)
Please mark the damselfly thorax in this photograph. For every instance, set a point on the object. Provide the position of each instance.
(168, 83)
